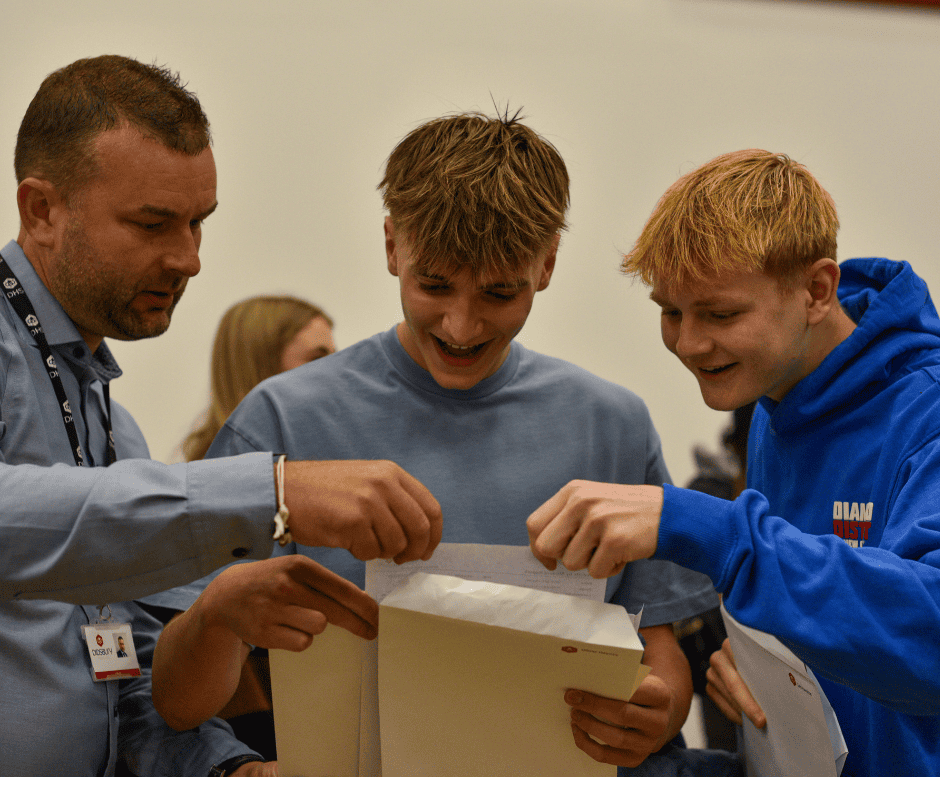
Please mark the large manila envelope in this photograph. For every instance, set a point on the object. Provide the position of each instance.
(326, 707)
(472, 677)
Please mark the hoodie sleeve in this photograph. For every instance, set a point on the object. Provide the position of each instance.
(864, 617)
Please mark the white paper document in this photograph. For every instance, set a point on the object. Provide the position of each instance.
(326, 699)
(802, 736)
(514, 566)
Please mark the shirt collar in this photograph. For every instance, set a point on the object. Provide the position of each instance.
(61, 333)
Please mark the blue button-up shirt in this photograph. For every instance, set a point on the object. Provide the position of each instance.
(75, 538)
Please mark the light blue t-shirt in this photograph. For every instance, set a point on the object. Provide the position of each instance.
(490, 455)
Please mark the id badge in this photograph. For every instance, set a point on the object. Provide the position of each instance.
(111, 647)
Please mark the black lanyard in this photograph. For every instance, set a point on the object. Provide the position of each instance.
(20, 302)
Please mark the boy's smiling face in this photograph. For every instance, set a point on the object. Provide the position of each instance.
(456, 327)
(742, 335)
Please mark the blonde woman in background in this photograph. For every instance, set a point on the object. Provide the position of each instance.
(257, 338)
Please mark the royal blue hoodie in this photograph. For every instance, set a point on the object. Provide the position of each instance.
(835, 549)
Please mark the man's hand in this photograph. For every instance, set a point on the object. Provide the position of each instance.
(626, 732)
(728, 690)
(599, 526)
(256, 769)
(283, 602)
(372, 508)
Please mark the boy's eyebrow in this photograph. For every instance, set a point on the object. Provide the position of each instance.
(706, 302)
(514, 285)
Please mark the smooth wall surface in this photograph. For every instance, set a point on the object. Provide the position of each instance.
(308, 97)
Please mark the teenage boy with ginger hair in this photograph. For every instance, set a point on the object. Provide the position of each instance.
(476, 207)
(835, 549)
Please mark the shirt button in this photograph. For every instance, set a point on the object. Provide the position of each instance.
(239, 552)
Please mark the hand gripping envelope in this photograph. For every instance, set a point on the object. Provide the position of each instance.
(472, 676)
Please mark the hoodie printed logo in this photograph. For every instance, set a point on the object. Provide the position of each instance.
(851, 521)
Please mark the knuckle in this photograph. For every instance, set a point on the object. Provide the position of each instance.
(397, 544)
(366, 551)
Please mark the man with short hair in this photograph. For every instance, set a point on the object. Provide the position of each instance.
(476, 207)
(115, 178)
(835, 549)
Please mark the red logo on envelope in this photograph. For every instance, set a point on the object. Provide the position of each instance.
(569, 649)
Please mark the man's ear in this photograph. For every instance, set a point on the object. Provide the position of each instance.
(822, 289)
(41, 207)
(549, 266)
(391, 247)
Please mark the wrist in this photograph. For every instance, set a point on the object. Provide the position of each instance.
(209, 622)
(229, 765)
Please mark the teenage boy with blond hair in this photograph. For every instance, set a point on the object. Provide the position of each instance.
(835, 549)
(476, 207)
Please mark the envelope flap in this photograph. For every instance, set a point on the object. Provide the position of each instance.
(513, 607)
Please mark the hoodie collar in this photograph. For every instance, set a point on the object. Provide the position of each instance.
(894, 315)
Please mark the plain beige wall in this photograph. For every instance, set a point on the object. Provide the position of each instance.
(307, 98)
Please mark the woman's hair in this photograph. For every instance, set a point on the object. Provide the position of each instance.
(248, 347)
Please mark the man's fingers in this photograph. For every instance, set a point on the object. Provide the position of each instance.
(373, 508)
(389, 532)
(431, 509)
(413, 525)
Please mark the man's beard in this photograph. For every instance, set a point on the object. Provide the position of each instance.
(96, 300)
